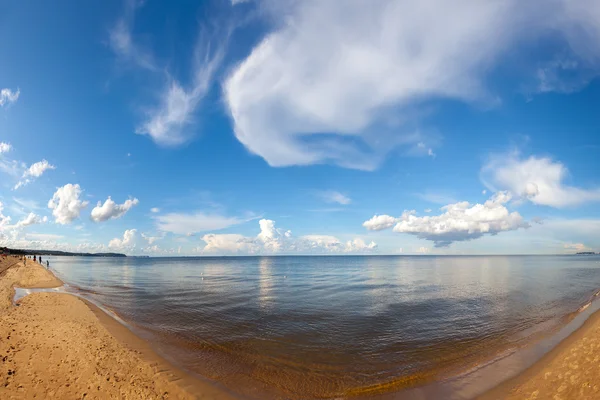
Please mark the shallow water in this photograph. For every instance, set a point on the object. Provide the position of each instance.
(327, 327)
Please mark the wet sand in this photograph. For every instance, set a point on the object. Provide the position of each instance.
(569, 371)
(55, 345)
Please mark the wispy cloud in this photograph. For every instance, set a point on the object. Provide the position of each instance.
(121, 39)
(332, 196)
(33, 172)
(169, 123)
(436, 198)
(184, 223)
(8, 96)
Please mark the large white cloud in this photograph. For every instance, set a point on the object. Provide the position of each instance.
(538, 179)
(111, 210)
(342, 82)
(66, 204)
(460, 221)
(271, 240)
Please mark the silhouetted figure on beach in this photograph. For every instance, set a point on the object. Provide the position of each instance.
(34, 258)
(47, 264)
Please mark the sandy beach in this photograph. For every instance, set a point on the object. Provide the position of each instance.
(55, 345)
(569, 371)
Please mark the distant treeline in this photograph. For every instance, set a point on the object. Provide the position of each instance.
(6, 250)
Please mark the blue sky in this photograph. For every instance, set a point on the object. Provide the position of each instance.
(300, 126)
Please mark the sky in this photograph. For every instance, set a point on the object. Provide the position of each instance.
(226, 127)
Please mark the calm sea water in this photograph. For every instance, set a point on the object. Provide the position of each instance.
(330, 327)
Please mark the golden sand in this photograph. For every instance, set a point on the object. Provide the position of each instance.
(55, 345)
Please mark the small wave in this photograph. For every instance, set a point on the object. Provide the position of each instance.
(583, 307)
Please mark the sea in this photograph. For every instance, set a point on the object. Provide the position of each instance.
(330, 327)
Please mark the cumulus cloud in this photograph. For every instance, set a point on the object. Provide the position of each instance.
(128, 242)
(379, 222)
(66, 204)
(183, 223)
(540, 180)
(341, 85)
(271, 240)
(332, 196)
(112, 210)
(8, 96)
(5, 147)
(34, 171)
(460, 221)
(31, 219)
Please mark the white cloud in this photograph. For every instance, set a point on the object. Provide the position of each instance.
(341, 84)
(380, 222)
(271, 240)
(576, 247)
(436, 198)
(155, 210)
(182, 224)
(460, 221)
(538, 179)
(34, 171)
(169, 123)
(331, 196)
(5, 147)
(484, 192)
(7, 96)
(4, 219)
(111, 210)
(66, 204)
(151, 239)
(121, 41)
(128, 242)
(428, 210)
(31, 219)
(423, 250)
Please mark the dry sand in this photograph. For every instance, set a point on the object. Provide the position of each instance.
(56, 345)
(570, 371)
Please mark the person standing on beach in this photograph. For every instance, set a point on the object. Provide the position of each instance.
(47, 264)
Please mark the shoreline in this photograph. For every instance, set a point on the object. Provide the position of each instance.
(554, 370)
(552, 374)
(60, 345)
